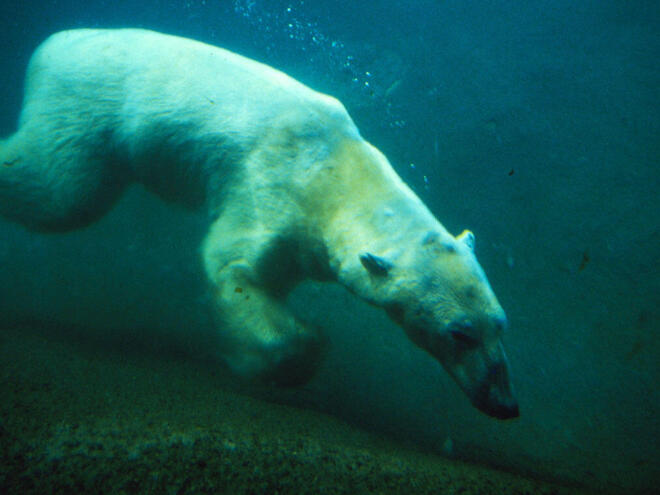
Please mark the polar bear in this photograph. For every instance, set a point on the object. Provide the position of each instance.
(291, 189)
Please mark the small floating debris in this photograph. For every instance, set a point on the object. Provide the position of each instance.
(585, 260)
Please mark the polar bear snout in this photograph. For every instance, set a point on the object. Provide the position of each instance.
(478, 363)
(493, 395)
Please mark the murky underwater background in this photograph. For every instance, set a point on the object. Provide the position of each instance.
(534, 124)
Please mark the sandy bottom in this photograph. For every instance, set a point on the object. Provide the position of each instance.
(78, 417)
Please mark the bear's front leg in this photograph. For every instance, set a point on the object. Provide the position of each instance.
(260, 338)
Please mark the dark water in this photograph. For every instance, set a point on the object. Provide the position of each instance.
(534, 124)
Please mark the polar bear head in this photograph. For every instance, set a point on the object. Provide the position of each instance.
(437, 291)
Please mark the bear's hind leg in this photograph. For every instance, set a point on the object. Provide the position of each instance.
(54, 186)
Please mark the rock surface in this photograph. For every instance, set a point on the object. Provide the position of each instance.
(77, 417)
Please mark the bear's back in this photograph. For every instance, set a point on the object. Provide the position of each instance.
(170, 106)
(132, 65)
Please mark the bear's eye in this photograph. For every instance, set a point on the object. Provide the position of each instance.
(461, 332)
(463, 339)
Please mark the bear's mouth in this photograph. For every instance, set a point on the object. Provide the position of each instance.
(493, 395)
(494, 406)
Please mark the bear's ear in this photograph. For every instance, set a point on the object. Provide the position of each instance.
(467, 238)
(375, 265)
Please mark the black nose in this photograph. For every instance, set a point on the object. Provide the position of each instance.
(497, 407)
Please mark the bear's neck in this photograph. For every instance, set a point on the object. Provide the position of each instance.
(366, 207)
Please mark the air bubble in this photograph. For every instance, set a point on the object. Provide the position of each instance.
(291, 24)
